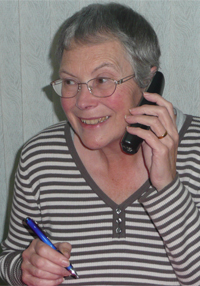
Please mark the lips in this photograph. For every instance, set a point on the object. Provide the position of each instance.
(94, 121)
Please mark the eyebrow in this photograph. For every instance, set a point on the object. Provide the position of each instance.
(106, 64)
(66, 72)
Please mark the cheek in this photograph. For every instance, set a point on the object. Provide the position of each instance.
(117, 103)
(123, 101)
(67, 104)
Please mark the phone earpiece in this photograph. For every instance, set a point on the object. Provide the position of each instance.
(130, 144)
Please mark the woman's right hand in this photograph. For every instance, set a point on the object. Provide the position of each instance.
(44, 266)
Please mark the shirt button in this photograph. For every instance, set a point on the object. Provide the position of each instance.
(118, 211)
(118, 220)
(118, 230)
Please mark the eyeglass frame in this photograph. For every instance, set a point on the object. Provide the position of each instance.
(117, 82)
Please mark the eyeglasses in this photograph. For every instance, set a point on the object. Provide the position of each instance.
(99, 86)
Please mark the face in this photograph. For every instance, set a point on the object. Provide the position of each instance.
(99, 122)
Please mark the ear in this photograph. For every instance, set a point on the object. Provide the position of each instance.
(153, 70)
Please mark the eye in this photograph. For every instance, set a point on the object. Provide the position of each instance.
(69, 82)
(102, 80)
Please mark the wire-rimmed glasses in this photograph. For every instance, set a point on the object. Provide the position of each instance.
(99, 86)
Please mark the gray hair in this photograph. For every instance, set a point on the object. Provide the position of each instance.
(97, 23)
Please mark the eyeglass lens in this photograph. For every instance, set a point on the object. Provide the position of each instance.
(100, 87)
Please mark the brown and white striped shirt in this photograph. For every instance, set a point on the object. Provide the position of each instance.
(150, 239)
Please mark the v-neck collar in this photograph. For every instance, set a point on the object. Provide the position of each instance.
(135, 196)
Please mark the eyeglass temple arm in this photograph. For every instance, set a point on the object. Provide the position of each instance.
(125, 79)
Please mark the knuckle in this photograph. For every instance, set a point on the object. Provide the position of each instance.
(36, 272)
(163, 111)
(149, 136)
(164, 150)
(42, 249)
(170, 105)
(162, 108)
(26, 279)
(155, 120)
(176, 138)
(23, 266)
(171, 144)
(24, 255)
(39, 263)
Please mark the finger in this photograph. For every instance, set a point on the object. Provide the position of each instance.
(160, 101)
(44, 268)
(152, 121)
(165, 148)
(160, 148)
(156, 117)
(65, 248)
(51, 255)
(163, 135)
(40, 273)
(160, 162)
(150, 109)
(34, 281)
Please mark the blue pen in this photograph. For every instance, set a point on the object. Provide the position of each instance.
(41, 235)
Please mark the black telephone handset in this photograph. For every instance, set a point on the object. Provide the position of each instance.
(131, 143)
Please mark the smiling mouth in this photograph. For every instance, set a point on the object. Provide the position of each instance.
(94, 121)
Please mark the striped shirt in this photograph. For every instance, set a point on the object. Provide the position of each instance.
(152, 238)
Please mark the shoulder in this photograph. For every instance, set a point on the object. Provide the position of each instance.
(195, 123)
(189, 144)
(51, 131)
(190, 130)
(51, 138)
(45, 157)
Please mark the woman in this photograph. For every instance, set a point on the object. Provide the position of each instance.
(130, 219)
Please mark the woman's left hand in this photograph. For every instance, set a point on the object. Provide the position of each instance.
(159, 149)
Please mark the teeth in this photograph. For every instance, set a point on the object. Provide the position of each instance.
(95, 121)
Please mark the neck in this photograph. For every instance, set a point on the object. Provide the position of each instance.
(110, 156)
(119, 175)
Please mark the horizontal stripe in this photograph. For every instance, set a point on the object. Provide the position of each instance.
(159, 244)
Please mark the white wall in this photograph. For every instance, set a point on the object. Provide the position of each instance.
(28, 105)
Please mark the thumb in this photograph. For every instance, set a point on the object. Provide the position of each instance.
(65, 248)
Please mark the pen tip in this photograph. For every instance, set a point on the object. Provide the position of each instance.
(74, 274)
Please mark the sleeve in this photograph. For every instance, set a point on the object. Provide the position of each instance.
(175, 214)
(25, 203)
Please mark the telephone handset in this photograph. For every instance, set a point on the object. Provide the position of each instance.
(131, 143)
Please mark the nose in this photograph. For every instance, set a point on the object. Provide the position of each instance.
(84, 98)
(82, 83)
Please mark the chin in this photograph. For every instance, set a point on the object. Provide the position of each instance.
(99, 144)
(92, 145)
(99, 140)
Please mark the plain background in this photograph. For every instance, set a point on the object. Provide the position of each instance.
(27, 104)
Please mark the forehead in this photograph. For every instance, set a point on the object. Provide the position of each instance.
(111, 53)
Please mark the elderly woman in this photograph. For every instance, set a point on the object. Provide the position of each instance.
(121, 219)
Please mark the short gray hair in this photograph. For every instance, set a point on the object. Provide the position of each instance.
(97, 23)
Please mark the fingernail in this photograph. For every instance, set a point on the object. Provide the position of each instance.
(61, 280)
(65, 250)
(65, 263)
